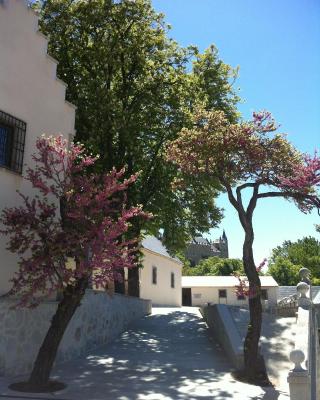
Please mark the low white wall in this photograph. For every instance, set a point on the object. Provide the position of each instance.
(98, 320)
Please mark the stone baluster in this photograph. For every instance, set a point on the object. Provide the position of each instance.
(303, 299)
(299, 376)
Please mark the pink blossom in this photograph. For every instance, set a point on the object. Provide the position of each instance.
(89, 230)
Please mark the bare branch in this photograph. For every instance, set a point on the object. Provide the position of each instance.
(297, 196)
(237, 203)
(245, 185)
(273, 194)
(231, 197)
(253, 200)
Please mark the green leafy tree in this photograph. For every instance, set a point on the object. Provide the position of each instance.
(134, 91)
(215, 266)
(291, 256)
(284, 272)
(229, 266)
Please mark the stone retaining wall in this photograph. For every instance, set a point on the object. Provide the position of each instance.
(220, 321)
(98, 320)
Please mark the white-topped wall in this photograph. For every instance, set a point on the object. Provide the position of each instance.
(29, 91)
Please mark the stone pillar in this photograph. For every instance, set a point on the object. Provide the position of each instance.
(298, 378)
(303, 300)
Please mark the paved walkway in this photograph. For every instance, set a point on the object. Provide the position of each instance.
(166, 356)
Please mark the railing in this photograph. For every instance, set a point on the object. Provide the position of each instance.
(303, 378)
(287, 307)
(315, 377)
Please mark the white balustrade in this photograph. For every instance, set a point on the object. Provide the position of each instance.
(299, 378)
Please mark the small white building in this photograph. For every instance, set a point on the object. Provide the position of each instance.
(198, 290)
(160, 277)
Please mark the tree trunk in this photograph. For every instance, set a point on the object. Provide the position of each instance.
(133, 282)
(72, 296)
(133, 273)
(255, 369)
(119, 286)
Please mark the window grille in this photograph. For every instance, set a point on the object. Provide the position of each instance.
(222, 293)
(264, 294)
(12, 142)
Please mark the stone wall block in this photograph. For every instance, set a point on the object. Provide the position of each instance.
(97, 321)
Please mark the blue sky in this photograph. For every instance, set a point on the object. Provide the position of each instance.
(276, 44)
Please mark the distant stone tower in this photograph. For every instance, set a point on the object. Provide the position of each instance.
(222, 245)
(200, 248)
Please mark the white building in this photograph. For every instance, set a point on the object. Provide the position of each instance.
(32, 102)
(198, 290)
(160, 277)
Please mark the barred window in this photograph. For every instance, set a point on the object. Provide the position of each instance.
(12, 142)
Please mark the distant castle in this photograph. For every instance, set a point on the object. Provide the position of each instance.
(200, 249)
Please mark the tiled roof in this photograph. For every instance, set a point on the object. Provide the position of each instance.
(214, 249)
(153, 244)
(201, 240)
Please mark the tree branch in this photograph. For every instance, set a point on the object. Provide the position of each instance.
(245, 185)
(231, 197)
(237, 203)
(297, 196)
(253, 200)
(275, 194)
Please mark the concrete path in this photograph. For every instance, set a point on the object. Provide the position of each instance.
(166, 356)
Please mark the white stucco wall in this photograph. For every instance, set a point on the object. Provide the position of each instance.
(29, 91)
(211, 295)
(161, 293)
(99, 319)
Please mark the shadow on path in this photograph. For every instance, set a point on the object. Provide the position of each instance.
(166, 356)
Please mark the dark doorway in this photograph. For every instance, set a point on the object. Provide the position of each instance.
(186, 297)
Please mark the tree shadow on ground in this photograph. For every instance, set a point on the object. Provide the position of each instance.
(277, 340)
(165, 356)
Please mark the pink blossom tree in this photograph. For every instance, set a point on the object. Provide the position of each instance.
(248, 157)
(243, 288)
(74, 216)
